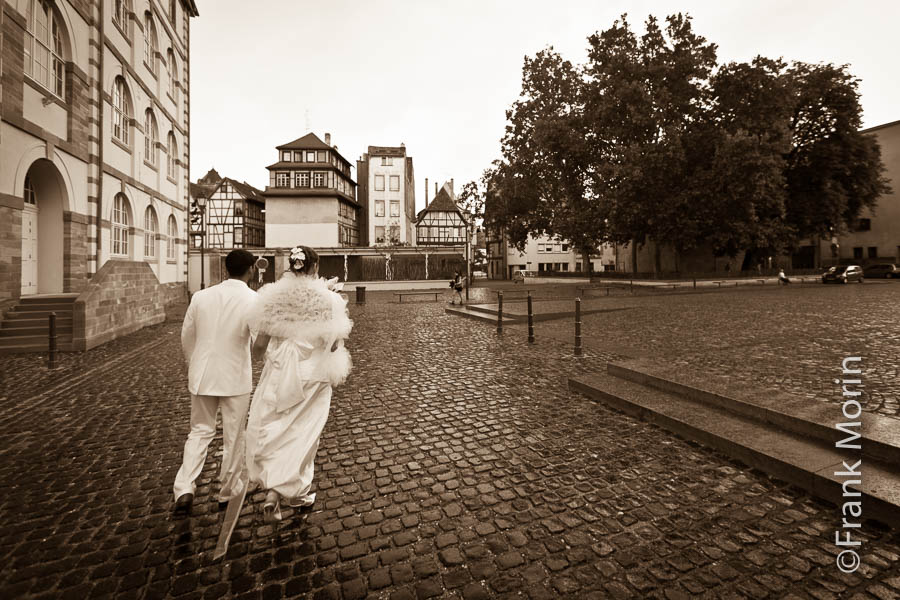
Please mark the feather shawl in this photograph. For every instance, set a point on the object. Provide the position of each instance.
(302, 309)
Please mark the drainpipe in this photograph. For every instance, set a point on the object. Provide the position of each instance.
(100, 135)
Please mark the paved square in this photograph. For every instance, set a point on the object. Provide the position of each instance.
(454, 464)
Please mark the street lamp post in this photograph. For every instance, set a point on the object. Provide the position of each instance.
(201, 204)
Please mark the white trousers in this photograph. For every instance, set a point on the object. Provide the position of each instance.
(203, 429)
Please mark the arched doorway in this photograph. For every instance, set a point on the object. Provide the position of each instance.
(42, 230)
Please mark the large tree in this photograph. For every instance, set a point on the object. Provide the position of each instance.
(832, 170)
(651, 139)
(545, 175)
(642, 96)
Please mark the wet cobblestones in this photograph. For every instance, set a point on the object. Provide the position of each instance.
(454, 465)
(787, 338)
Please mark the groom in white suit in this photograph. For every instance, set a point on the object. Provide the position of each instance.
(216, 341)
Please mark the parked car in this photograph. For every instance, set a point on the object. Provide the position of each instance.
(519, 276)
(843, 274)
(886, 270)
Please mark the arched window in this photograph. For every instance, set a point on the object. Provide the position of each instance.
(151, 228)
(173, 74)
(44, 47)
(29, 192)
(120, 226)
(172, 161)
(172, 240)
(121, 111)
(150, 43)
(121, 10)
(151, 137)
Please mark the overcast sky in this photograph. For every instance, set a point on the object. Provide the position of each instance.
(439, 76)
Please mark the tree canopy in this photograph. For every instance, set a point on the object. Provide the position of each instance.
(651, 138)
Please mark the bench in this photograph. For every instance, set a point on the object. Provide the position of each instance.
(401, 294)
(582, 290)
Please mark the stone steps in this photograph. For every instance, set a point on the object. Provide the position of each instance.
(26, 327)
(794, 448)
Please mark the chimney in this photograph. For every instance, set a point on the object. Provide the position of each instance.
(426, 191)
(435, 189)
(451, 185)
(327, 139)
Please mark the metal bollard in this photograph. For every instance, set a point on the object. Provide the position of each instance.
(499, 312)
(360, 294)
(530, 321)
(578, 349)
(695, 283)
(631, 286)
(51, 355)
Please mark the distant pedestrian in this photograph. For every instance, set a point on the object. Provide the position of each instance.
(782, 278)
(457, 286)
(215, 337)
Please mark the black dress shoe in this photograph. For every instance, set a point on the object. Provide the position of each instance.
(183, 504)
(223, 506)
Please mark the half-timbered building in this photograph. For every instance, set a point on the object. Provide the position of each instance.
(441, 223)
(233, 216)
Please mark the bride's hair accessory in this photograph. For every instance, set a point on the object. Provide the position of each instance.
(297, 258)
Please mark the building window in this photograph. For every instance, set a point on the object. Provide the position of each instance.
(151, 228)
(121, 111)
(29, 192)
(171, 237)
(565, 247)
(873, 251)
(286, 156)
(320, 157)
(379, 235)
(298, 157)
(858, 252)
(379, 183)
(379, 208)
(387, 161)
(172, 161)
(864, 225)
(44, 48)
(120, 226)
(395, 183)
(302, 179)
(319, 179)
(172, 14)
(151, 152)
(310, 156)
(173, 74)
(150, 43)
(283, 179)
(395, 209)
(121, 9)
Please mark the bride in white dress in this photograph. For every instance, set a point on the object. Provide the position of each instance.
(301, 325)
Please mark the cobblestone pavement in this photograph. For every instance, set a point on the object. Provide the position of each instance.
(790, 338)
(454, 464)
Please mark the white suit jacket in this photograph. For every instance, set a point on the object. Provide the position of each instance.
(216, 340)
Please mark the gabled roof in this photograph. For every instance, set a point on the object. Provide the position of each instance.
(310, 141)
(444, 201)
(246, 190)
(209, 183)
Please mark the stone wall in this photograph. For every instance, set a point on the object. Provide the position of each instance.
(75, 232)
(10, 252)
(122, 297)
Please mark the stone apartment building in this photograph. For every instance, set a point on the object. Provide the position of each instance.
(387, 196)
(311, 196)
(94, 147)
